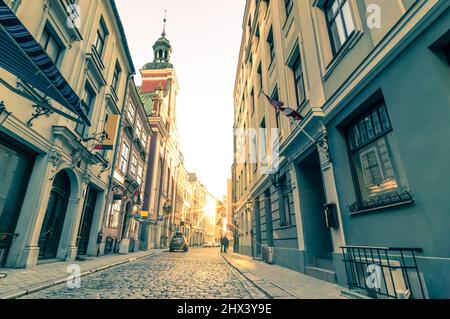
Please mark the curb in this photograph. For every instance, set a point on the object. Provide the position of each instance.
(83, 274)
(286, 290)
(264, 291)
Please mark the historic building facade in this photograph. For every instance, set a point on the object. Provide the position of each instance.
(124, 218)
(183, 201)
(197, 212)
(371, 80)
(158, 92)
(65, 84)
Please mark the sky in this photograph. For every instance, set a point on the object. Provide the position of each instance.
(205, 36)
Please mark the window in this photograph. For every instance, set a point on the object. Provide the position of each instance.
(51, 44)
(102, 33)
(140, 173)
(375, 166)
(339, 21)
(138, 128)
(252, 102)
(277, 113)
(271, 43)
(284, 202)
(254, 153)
(168, 181)
(124, 158)
(88, 103)
(260, 78)
(257, 35)
(144, 139)
(130, 112)
(299, 81)
(134, 162)
(116, 77)
(113, 221)
(263, 141)
(288, 4)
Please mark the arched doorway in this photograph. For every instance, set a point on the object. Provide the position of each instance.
(54, 217)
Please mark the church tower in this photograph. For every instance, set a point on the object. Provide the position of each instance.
(159, 81)
(158, 93)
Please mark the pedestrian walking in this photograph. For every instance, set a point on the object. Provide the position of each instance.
(226, 242)
(222, 246)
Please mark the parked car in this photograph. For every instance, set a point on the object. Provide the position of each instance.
(178, 243)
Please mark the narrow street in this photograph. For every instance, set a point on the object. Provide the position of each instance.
(200, 273)
(305, 138)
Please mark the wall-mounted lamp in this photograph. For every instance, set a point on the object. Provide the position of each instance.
(249, 205)
(3, 113)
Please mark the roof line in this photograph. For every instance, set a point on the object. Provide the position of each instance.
(122, 33)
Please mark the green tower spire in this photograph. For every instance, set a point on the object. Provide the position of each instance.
(162, 50)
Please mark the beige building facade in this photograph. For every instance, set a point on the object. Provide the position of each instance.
(57, 122)
(124, 219)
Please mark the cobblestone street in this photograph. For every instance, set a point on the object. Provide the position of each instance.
(200, 273)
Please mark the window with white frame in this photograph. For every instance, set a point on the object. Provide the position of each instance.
(113, 220)
(144, 139)
(130, 112)
(140, 173)
(138, 128)
(134, 162)
(124, 155)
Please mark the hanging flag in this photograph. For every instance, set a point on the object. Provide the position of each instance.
(279, 106)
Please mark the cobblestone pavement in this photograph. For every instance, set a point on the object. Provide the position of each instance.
(200, 273)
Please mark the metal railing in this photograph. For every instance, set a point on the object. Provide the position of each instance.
(6, 240)
(384, 272)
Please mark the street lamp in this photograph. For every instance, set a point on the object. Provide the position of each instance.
(3, 113)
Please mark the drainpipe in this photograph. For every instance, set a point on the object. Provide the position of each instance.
(118, 137)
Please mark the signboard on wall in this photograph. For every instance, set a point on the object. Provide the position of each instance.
(111, 132)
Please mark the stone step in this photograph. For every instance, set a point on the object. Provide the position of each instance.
(325, 264)
(321, 273)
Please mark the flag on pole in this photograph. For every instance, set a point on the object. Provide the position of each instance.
(289, 112)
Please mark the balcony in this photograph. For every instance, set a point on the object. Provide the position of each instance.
(383, 273)
(380, 202)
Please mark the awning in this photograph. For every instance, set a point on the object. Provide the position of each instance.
(23, 56)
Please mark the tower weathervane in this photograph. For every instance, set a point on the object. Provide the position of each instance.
(165, 20)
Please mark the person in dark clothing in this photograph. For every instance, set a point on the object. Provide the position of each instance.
(222, 244)
(226, 242)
